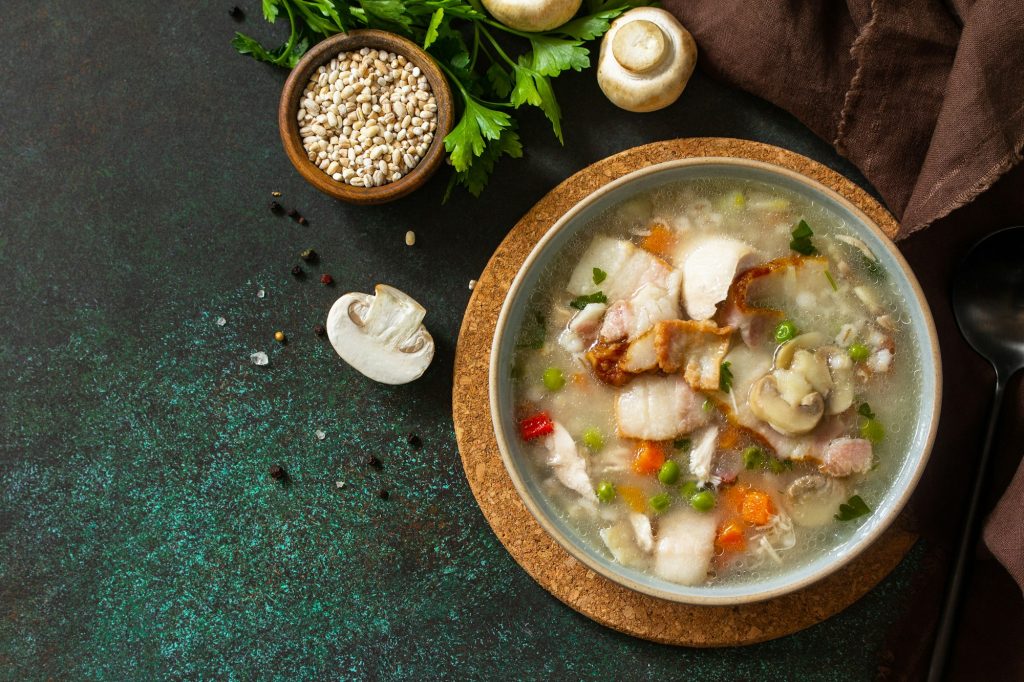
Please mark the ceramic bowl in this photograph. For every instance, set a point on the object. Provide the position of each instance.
(322, 54)
(513, 453)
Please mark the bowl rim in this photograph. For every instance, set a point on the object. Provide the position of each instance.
(322, 53)
(859, 545)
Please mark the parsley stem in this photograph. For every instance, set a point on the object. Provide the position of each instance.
(476, 46)
(497, 47)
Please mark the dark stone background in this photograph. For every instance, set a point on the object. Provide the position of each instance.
(140, 536)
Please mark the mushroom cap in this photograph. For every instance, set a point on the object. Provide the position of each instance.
(647, 57)
(811, 500)
(381, 335)
(767, 404)
(532, 15)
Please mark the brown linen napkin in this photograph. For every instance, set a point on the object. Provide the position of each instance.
(1004, 529)
(925, 97)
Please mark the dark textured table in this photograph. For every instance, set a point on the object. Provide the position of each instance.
(140, 535)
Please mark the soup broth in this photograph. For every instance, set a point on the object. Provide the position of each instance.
(715, 381)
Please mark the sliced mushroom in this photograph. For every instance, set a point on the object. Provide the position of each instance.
(767, 404)
(784, 353)
(841, 368)
(812, 500)
(381, 335)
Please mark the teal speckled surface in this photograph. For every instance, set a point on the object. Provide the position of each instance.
(141, 536)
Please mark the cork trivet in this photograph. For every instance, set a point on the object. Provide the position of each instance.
(559, 573)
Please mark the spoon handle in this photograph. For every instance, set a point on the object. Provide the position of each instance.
(968, 541)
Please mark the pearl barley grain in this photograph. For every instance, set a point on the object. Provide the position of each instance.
(361, 108)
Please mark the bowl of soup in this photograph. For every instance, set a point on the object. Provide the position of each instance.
(715, 381)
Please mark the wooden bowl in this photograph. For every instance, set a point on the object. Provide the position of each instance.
(322, 54)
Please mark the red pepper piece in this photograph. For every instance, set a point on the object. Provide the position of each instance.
(539, 424)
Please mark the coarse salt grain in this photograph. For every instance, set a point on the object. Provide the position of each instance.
(363, 110)
(221, 322)
(472, 284)
(259, 358)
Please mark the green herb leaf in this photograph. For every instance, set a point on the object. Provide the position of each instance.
(500, 79)
(474, 178)
(682, 443)
(435, 21)
(725, 377)
(801, 242)
(832, 282)
(552, 56)
(599, 275)
(854, 508)
(469, 138)
(865, 411)
(580, 302)
(532, 336)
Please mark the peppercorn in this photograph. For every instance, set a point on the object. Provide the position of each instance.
(276, 208)
(279, 337)
(302, 220)
(292, 213)
(320, 330)
(309, 255)
(374, 462)
(383, 494)
(297, 271)
(414, 440)
(236, 13)
(277, 472)
(326, 280)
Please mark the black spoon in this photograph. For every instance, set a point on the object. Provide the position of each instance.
(988, 301)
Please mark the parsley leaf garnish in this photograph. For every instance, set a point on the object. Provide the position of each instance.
(580, 302)
(682, 443)
(854, 508)
(801, 242)
(599, 275)
(865, 411)
(725, 377)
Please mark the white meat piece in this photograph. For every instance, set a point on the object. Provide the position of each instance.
(641, 356)
(685, 545)
(846, 456)
(628, 267)
(702, 453)
(880, 361)
(564, 459)
(708, 266)
(583, 328)
(652, 303)
(642, 528)
(620, 539)
(658, 408)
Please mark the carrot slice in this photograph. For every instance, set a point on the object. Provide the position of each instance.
(649, 458)
(730, 537)
(633, 496)
(660, 241)
(733, 497)
(757, 508)
(729, 438)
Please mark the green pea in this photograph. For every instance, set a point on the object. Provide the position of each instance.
(703, 501)
(858, 352)
(669, 472)
(872, 430)
(753, 457)
(682, 443)
(785, 331)
(660, 503)
(605, 491)
(593, 439)
(554, 380)
(688, 490)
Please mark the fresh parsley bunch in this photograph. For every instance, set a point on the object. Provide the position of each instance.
(492, 78)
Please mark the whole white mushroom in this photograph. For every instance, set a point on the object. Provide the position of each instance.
(381, 335)
(647, 57)
(532, 15)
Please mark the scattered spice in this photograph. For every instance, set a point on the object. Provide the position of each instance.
(383, 494)
(339, 484)
(275, 194)
(298, 271)
(309, 255)
(320, 330)
(326, 280)
(373, 104)
(472, 283)
(293, 214)
(280, 337)
(410, 238)
(302, 220)
(276, 208)
(236, 13)
(221, 322)
(277, 472)
(414, 440)
(374, 462)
